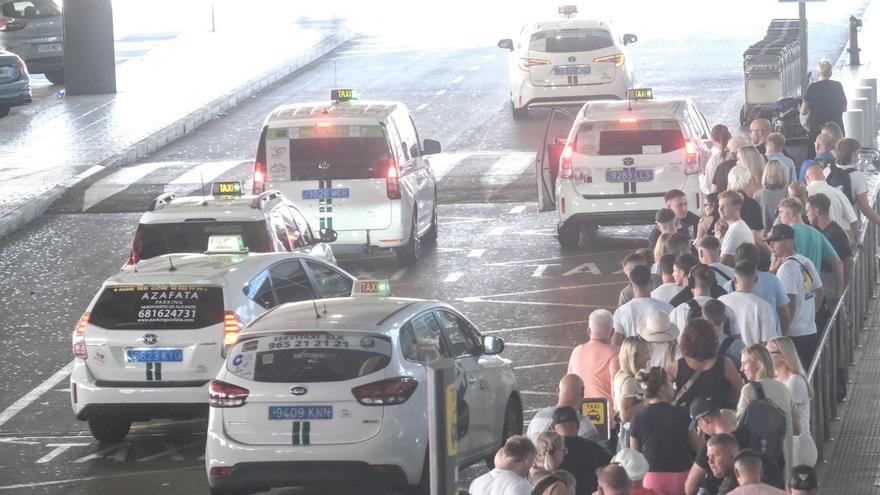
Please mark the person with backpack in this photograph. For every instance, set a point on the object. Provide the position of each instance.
(823, 145)
(840, 208)
(768, 412)
(703, 369)
(700, 279)
(847, 160)
(550, 448)
(709, 253)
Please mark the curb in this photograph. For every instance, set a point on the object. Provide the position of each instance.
(170, 132)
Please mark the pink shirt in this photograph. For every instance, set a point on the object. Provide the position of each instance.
(596, 363)
(757, 489)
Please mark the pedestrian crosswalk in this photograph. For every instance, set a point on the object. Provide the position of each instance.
(462, 177)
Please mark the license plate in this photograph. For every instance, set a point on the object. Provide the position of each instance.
(629, 175)
(300, 412)
(52, 47)
(572, 70)
(336, 193)
(154, 355)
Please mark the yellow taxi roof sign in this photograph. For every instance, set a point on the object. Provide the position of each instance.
(640, 94)
(371, 288)
(229, 189)
(342, 94)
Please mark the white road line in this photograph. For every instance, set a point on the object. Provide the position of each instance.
(398, 274)
(440, 93)
(476, 253)
(421, 107)
(532, 303)
(453, 277)
(458, 80)
(542, 365)
(442, 163)
(535, 392)
(201, 174)
(120, 451)
(94, 478)
(498, 230)
(34, 394)
(538, 346)
(534, 327)
(117, 182)
(539, 291)
(518, 262)
(475, 67)
(59, 449)
(517, 209)
(171, 450)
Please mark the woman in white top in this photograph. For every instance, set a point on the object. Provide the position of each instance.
(790, 372)
(625, 390)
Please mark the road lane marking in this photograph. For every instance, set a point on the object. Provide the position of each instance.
(440, 93)
(453, 277)
(201, 174)
(59, 449)
(540, 269)
(554, 258)
(534, 327)
(538, 291)
(458, 80)
(117, 182)
(399, 273)
(533, 303)
(421, 107)
(517, 209)
(34, 394)
(171, 450)
(95, 478)
(498, 230)
(120, 451)
(476, 253)
(590, 268)
(542, 365)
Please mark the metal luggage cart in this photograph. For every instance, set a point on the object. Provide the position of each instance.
(772, 69)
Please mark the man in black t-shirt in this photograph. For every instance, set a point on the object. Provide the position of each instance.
(583, 457)
(712, 421)
(818, 212)
(722, 451)
(676, 200)
(825, 101)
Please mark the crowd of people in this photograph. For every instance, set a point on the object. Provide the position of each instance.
(702, 364)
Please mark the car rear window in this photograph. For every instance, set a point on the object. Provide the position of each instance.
(30, 9)
(165, 307)
(334, 152)
(192, 236)
(643, 137)
(309, 357)
(570, 40)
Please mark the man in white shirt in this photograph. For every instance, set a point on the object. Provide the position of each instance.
(755, 318)
(510, 476)
(669, 288)
(709, 252)
(570, 393)
(738, 232)
(841, 210)
(702, 276)
(803, 285)
(631, 315)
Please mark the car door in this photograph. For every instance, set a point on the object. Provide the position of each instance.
(422, 174)
(474, 398)
(281, 283)
(328, 281)
(547, 162)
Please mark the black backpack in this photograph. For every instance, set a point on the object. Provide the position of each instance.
(839, 178)
(766, 426)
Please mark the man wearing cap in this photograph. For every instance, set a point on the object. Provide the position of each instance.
(596, 361)
(582, 457)
(510, 476)
(803, 481)
(807, 240)
(629, 317)
(755, 318)
(570, 393)
(802, 283)
(636, 467)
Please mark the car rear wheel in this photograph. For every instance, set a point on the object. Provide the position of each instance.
(108, 429)
(4, 110)
(423, 487)
(513, 424)
(569, 235)
(56, 76)
(431, 235)
(408, 255)
(518, 113)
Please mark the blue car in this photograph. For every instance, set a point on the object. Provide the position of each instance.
(15, 82)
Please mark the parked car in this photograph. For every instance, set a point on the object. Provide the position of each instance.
(33, 30)
(15, 83)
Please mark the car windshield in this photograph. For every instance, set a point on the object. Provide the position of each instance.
(30, 9)
(192, 237)
(641, 137)
(309, 357)
(167, 307)
(570, 40)
(337, 152)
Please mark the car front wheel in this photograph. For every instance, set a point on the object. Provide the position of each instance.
(408, 255)
(56, 76)
(4, 110)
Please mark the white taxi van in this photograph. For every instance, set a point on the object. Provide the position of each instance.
(336, 393)
(153, 337)
(357, 167)
(567, 61)
(612, 162)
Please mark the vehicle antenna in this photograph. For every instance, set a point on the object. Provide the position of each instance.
(171, 266)
(202, 178)
(325, 307)
(315, 305)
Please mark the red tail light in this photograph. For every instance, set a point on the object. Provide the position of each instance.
(79, 337)
(392, 181)
(231, 327)
(692, 166)
(386, 392)
(222, 394)
(135, 255)
(260, 164)
(617, 60)
(526, 63)
(11, 25)
(566, 170)
(221, 471)
(627, 120)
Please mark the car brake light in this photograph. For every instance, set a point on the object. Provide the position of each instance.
(692, 166)
(386, 392)
(11, 25)
(260, 164)
(323, 124)
(565, 169)
(79, 337)
(231, 327)
(392, 181)
(627, 120)
(222, 394)
(617, 59)
(526, 63)
(135, 255)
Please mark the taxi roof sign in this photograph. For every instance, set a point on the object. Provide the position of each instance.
(371, 287)
(225, 244)
(640, 94)
(231, 189)
(568, 10)
(339, 95)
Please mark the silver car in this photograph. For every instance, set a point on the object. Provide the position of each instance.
(33, 30)
(15, 83)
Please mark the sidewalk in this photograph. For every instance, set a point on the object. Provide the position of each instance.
(50, 145)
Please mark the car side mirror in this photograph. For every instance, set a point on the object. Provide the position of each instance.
(328, 235)
(431, 147)
(506, 43)
(629, 38)
(492, 345)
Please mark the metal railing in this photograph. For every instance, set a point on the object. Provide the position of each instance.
(829, 371)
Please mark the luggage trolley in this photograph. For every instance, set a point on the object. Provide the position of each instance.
(772, 70)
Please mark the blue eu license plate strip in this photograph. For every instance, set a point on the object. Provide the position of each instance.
(154, 355)
(300, 412)
(337, 193)
(629, 175)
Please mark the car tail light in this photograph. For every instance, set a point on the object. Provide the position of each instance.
(221, 471)
(617, 59)
(692, 166)
(386, 392)
(135, 255)
(566, 171)
(79, 337)
(11, 25)
(231, 327)
(222, 394)
(527, 63)
(627, 120)
(392, 181)
(260, 164)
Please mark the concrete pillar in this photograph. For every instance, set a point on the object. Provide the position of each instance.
(861, 104)
(871, 129)
(89, 57)
(852, 124)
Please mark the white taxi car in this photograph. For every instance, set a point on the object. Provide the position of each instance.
(354, 166)
(612, 163)
(567, 61)
(153, 337)
(267, 222)
(336, 392)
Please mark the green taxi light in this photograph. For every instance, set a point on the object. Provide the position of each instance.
(373, 287)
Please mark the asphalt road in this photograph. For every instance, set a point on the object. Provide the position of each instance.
(497, 258)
